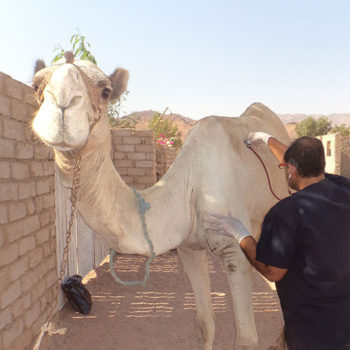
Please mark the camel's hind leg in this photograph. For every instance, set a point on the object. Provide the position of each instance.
(196, 266)
(239, 274)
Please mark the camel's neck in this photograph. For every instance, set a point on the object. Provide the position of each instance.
(111, 208)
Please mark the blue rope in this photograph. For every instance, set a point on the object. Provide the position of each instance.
(143, 207)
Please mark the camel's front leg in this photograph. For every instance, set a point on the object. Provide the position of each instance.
(196, 266)
(239, 274)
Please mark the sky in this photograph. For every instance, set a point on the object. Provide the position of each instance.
(197, 58)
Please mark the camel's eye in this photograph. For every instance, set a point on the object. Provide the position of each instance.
(106, 93)
(36, 88)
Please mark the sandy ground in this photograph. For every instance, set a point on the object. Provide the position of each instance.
(161, 315)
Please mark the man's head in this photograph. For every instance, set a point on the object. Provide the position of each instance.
(306, 159)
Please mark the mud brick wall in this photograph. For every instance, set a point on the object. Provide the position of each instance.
(134, 156)
(345, 157)
(28, 271)
(165, 157)
(332, 149)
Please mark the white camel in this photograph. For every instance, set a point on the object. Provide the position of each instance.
(214, 172)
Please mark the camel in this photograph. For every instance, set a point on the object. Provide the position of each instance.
(213, 172)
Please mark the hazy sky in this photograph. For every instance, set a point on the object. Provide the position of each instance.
(196, 57)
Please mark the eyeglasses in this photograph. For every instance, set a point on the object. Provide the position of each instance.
(283, 166)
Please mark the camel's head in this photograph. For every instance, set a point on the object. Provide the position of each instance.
(73, 98)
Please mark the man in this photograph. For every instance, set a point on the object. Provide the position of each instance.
(304, 246)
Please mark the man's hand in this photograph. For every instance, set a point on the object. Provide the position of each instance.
(255, 139)
(227, 226)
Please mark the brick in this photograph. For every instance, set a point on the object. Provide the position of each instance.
(150, 156)
(45, 218)
(18, 268)
(144, 164)
(41, 151)
(48, 168)
(22, 228)
(11, 294)
(125, 132)
(36, 168)
(26, 190)
(32, 315)
(35, 257)
(137, 171)
(40, 289)
(5, 318)
(3, 214)
(29, 280)
(8, 191)
(43, 186)
(144, 148)
(4, 170)
(144, 180)
(117, 140)
(5, 279)
(24, 151)
(7, 149)
(13, 129)
(29, 97)
(124, 164)
(10, 334)
(119, 155)
(126, 148)
(30, 206)
(136, 156)
(132, 140)
(23, 340)
(128, 180)
(19, 111)
(51, 279)
(122, 171)
(42, 235)
(2, 89)
(16, 211)
(14, 88)
(5, 104)
(19, 171)
(26, 244)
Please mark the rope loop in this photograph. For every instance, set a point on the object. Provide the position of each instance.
(143, 207)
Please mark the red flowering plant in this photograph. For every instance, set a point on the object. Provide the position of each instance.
(163, 140)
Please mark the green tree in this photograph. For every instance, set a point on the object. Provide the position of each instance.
(165, 128)
(313, 127)
(342, 128)
(81, 50)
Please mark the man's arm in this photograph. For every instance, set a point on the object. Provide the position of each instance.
(272, 273)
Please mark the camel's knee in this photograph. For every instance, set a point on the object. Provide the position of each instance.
(207, 329)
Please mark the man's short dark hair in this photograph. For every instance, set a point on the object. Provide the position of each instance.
(307, 154)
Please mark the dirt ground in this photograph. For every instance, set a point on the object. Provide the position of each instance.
(161, 315)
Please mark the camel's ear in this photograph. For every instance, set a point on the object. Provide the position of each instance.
(39, 65)
(119, 81)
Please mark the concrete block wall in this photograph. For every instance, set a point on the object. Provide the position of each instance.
(345, 157)
(28, 271)
(332, 148)
(134, 156)
(165, 157)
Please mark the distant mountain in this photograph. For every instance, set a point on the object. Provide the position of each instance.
(141, 120)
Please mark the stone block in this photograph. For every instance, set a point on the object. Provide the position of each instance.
(11, 294)
(117, 140)
(144, 164)
(16, 211)
(32, 314)
(43, 186)
(5, 106)
(144, 148)
(13, 129)
(36, 168)
(25, 245)
(48, 168)
(35, 257)
(3, 214)
(30, 204)
(119, 155)
(24, 151)
(19, 171)
(144, 180)
(14, 88)
(29, 280)
(124, 132)
(19, 110)
(124, 164)
(126, 148)
(26, 190)
(51, 279)
(22, 228)
(136, 156)
(41, 151)
(42, 235)
(24, 340)
(131, 140)
(18, 268)
(5, 318)
(137, 171)
(10, 334)
(9, 191)
(7, 149)
(4, 169)
(122, 171)
(5, 279)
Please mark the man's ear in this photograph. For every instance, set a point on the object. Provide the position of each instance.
(39, 65)
(119, 80)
